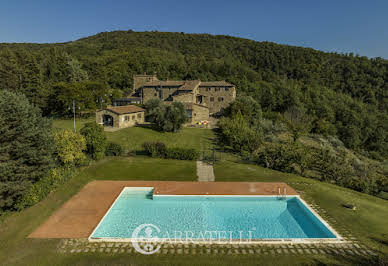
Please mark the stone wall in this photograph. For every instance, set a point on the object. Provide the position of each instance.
(158, 93)
(198, 114)
(129, 120)
(150, 93)
(185, 97)
(217, 98)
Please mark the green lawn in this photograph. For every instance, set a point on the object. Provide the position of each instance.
(141, 168)
(69, 123)
(132, 138)
(367, 223)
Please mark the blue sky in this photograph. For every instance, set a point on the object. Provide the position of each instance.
(357, 26)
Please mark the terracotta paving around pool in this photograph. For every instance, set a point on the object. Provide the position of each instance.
(78, 217)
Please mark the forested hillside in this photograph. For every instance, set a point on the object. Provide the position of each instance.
(346, 95)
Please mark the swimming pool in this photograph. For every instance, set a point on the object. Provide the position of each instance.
(204, 217)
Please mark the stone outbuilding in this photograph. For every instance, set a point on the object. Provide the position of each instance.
(120, 116)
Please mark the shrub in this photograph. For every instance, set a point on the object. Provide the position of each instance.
(155, 149)
(247, 107)
(113, 149)
(281, 157)
(95, 140)
(70, 146)
(40, 189)
(182, 154)
(383, 195)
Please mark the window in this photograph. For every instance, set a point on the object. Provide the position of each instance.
(220, 99)
(133, 117)
(217, 89)
(226, 89)
(126, 118)
(212, 99)
(138, 115)
(208, 89)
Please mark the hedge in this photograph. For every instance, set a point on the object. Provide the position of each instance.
(159, 149)
(182, 154)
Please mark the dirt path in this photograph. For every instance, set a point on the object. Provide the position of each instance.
(205, 172)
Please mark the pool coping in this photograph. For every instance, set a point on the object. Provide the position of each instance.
(339, 239)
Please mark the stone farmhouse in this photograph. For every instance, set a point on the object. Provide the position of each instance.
(215, 95)
(120, 116)
(201, 99)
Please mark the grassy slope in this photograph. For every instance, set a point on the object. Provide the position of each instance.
(368, 223)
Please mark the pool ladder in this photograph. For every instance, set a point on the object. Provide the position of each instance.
(284, 195)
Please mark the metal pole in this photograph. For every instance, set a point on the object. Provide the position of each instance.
(75, 130)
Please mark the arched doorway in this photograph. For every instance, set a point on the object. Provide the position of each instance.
(107, 120)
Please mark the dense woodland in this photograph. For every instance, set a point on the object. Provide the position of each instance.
(343, 95)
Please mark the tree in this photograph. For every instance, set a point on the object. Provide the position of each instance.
(26, 147)
(70, 146)
(96, 141)
(167, 118)
(248, 107)
(76, 73)
(174, 117)
(297, 122)
(236, 133)
(154, 108)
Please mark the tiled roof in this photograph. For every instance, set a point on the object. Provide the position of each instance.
(126, 109)
(187, 84)
(158, 83)
(215, 84)
(190, 85)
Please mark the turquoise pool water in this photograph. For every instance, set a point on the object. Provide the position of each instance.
(199, 217)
